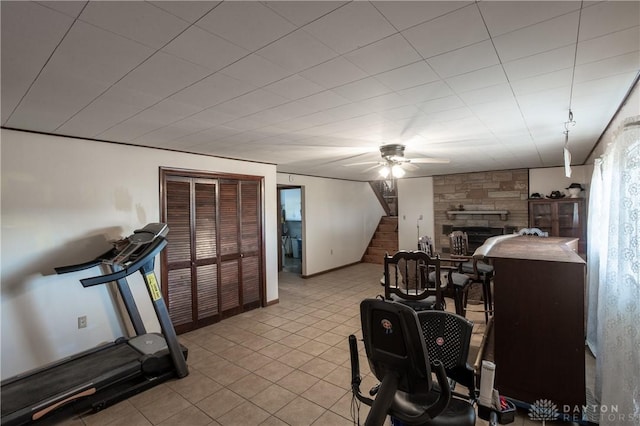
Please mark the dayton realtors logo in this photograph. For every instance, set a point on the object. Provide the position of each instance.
(543, 410)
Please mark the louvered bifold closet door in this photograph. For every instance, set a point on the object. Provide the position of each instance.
(229, 248)
(250, 243)
(178, 293)
(205, 248)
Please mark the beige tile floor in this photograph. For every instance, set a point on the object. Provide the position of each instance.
(287, 364)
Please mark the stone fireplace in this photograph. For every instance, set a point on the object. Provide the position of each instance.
(482, 204)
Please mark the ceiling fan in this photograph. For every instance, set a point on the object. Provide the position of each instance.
(394, 162)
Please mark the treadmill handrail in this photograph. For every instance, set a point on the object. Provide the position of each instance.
(145, 257)
(82, 266)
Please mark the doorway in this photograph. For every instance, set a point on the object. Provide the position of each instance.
(291, 228)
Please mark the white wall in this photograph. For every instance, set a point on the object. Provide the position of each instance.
(543, 181)
(62, 199)
(415, 198)
(339, 219)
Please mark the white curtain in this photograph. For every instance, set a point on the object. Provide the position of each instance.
(614, 277)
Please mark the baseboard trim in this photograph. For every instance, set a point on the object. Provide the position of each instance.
(331, 270)
(273, 302)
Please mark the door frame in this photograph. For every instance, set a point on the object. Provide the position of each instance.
(281, 187)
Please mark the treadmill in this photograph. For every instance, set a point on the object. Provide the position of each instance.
(107, 374)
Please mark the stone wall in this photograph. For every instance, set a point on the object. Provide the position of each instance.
(500, 190)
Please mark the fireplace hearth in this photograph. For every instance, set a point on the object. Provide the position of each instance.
(477, 235)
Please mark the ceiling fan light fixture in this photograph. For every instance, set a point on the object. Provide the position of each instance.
(384, 171)
(397, 171)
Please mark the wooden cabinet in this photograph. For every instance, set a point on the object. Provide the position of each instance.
(564, 217)
(538, 323)
(212, 266)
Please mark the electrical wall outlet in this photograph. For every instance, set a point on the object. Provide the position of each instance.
(82, 321)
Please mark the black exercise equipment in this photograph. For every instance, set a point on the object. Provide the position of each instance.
(107, 374)
(398, 357)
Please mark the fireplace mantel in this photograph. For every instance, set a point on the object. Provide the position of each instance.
(451, 214)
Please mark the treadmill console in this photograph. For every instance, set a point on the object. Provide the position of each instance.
(128, 248)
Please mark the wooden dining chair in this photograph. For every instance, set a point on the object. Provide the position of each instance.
(406, 280)
(477, 270)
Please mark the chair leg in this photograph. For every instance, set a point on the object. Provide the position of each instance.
(460, 302)
(488, 299)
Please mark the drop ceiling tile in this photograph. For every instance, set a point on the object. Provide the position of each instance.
(449, 32)
(135, 20)
(350, 27)
(163, 75)
(489, 76)
(441, 104)
(30, 32)
(538, 38)
(309, 51)
(608, 17)
(302, 12)
(405, 14)
(203, 48)
(251, 102)
(610, 45)
(248, 24)
(608, 67)
(323, 100)
(506, 16)
(212, 90)
(407, 76)
(256, 71)
(457, 115)
(294, 87)
(189, 11)
(463, 60)
(496, 93)
(384, 102)
(543, 82)
(334, 72)
(425, 92)
(212, 117)
(163, 135)
(84, 65)
(384, 55)
(609, 90)
(542, 63)
(362, 89)
(69, 8)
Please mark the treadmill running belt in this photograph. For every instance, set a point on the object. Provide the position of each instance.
(121, 359)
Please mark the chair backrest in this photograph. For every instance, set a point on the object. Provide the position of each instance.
(448, 337)
(406, 275)
(458, 243)
(394, 344)
(533, 231)
(425, 244)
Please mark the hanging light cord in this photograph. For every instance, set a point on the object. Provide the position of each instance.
(570, 121)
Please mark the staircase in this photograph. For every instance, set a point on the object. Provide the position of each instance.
(385, 240)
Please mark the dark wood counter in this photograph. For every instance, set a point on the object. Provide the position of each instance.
(538, 324)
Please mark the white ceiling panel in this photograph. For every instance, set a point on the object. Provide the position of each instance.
(248, 24)
(547, 35)
(506, 16)
(608, 17)
(203, 48)
(610, 45)
(190, 11)
(30, 33)
(256, 70)
(309, 51)
(415, 12)
(407, 76)
(354, 25)
(464, 60)
(384, 55)
(294, 87)
(334, 72)
(449, 32)
(301, 13)
(135, 20)
(313, 85)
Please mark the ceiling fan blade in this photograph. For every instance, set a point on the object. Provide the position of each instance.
(427, 160)
(377, 163)
(410, 166)
(368, 169)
